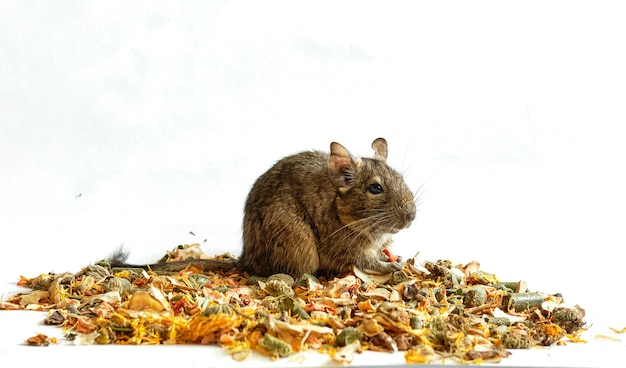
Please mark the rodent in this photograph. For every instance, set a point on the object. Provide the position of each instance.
(319, 213)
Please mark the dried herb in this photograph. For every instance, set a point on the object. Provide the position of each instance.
(429, 310)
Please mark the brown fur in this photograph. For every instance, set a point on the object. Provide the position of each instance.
(312, 212)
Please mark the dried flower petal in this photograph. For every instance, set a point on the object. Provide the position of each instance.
(142, 300)
(427, 309)
(41, 340)
(345, 355)
(420, 354)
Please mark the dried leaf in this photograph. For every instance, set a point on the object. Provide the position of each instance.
(427, 309)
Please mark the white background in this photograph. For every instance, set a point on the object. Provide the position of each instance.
(137, 123)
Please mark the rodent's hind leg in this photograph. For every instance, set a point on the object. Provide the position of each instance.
(279, 242)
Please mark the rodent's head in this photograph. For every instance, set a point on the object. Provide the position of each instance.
(371, 196)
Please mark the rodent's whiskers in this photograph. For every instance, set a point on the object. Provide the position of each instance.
(363, 228)
(364, 225)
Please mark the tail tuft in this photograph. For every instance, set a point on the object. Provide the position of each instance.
(119, 257)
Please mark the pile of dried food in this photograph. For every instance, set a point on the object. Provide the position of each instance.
(429, 310)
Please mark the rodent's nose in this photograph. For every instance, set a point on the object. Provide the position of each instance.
(409, 214)
(409, 217)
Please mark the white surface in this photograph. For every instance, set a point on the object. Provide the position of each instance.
(136, 123)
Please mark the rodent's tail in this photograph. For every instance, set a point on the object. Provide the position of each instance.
(119, 257)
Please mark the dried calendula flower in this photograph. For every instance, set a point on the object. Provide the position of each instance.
(275, 346)
(158, 330)
(547, 333)
(436, 331)
(570, 319)
(516, 338)
(198, 327)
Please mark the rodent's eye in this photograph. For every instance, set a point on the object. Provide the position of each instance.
(375, 188)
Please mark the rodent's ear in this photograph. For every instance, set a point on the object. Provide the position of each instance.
(341, 165)
(380, 149)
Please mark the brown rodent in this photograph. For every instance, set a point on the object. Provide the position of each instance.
(315, 212)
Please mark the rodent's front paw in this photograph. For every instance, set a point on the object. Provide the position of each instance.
(397, 266)
(389, 267)
(380, 267)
